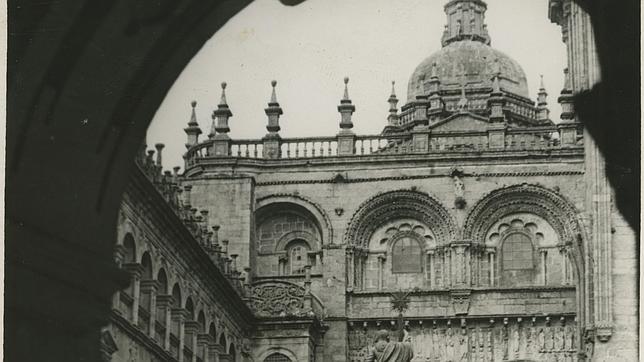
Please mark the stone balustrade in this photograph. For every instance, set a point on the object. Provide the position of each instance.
(563, 135)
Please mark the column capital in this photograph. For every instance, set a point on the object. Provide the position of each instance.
(191, 326)
(165, 301)
(135, 269)
(179, 314)
(149, 285)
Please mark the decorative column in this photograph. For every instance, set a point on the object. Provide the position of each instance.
(543, 253)
(119, 255)
(165, 304)
(221, 144)
(191, 330)
(429, 264)
(491, 254)
(564, 265)
(179, 316)
(282, 262)
(150, 287)
(381, 266)
(135, 271)
(363, 266)
(203, 345)
(349, 255)
(272, 140)
(214, 351)
(346, 137)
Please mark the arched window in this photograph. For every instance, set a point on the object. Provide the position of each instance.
(517, 252)
(406, 256)
(277, 357)
(176, 324)
(190, 308)
(130, 249)
(298, 256)
(162, 279)
(146, 292)
(517, 260)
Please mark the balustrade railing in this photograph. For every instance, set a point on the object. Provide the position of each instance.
(547, 137)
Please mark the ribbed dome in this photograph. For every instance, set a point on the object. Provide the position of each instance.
(472, 63)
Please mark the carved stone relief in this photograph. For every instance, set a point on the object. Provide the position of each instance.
(480, 340)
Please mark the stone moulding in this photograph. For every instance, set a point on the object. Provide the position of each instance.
(399, 204)
(421, 177)
(315, 209)
(546, 203)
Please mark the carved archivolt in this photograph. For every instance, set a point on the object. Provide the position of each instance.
(537, 200)
(396, 205)
(314, 209)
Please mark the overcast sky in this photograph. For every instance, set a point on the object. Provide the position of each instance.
(310, 48)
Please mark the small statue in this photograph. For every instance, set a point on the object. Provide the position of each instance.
(385, 350)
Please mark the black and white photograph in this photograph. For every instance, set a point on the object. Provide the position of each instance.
(322, 180)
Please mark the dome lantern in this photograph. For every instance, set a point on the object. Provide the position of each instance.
(465, 20)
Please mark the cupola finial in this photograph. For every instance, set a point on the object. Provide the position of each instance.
(274, 111)
(222, 114)
(346, 89)
(392, 118)
(346, 108)
(192, 131)
(543, 113)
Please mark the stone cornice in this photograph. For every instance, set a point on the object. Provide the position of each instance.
(205, 165)
(446, 292)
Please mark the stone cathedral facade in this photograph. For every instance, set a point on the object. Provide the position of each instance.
(493, 221)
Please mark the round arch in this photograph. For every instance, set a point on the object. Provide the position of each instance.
(555, 209)
(538, 200)
(323, 221)
(381, 208)
(277, 350)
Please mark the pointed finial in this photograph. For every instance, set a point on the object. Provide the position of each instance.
(434, 74)
(273, 95)
(496, 86)
(345, 108)
(221, 115)
(393, 88)
(192, 131)
(496, 68)
(346, 89)
(193, 114)
(222, 101)
(273, 112)
(541, 85)
(462, 103)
